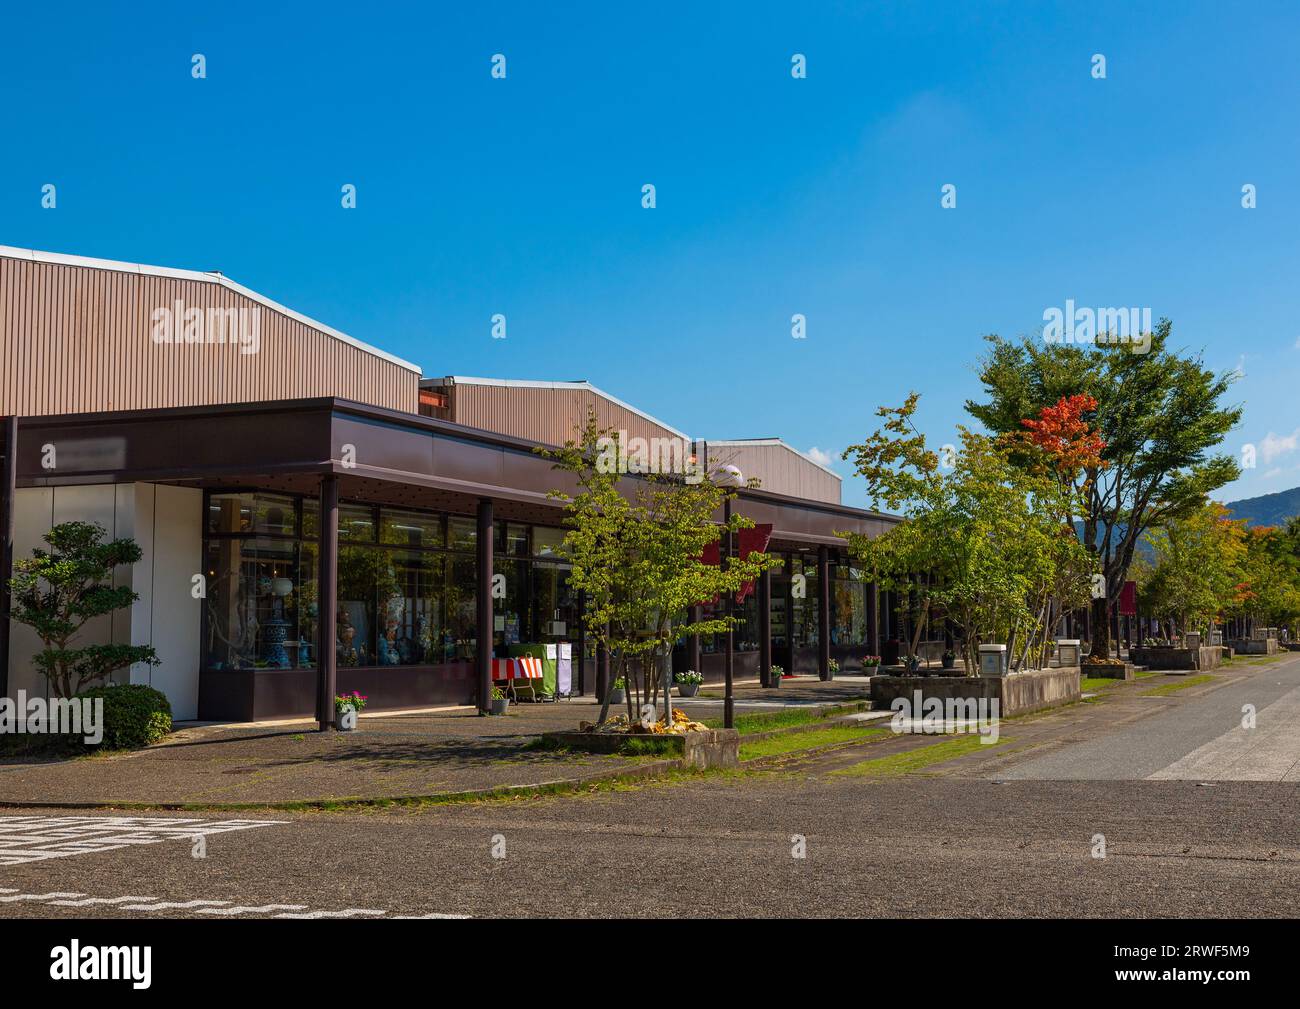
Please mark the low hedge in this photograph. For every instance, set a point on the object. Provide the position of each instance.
(134, 715)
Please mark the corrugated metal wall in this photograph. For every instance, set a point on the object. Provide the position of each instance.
(550, 416)
(781, 470)
(76, 339)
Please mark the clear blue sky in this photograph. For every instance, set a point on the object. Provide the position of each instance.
(775, 196)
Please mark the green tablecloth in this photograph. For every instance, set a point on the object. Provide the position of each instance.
(548, 664)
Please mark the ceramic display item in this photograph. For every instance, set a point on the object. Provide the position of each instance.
(274, 634)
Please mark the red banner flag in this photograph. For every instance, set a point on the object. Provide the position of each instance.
(1128, 600)
(752, 541)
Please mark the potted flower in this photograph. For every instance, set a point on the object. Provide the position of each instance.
(777, 671)
(346, 709)
(833, 668)
(617, 693)
(949, 659)
(870, 663)
(688, 683)
(499, 703)
(912, 664)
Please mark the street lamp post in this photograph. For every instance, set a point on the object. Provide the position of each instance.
(729, 704)
(731, 477)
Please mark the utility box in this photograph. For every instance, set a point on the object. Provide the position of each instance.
(993, 660)
(1068, 651)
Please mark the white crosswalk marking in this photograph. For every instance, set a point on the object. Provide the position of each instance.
(38, 838)
(252, 910)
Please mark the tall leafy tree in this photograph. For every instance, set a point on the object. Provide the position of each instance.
(1198, 567)
(636, 545)
(983, 543)
(57, 591)
(1161, 417)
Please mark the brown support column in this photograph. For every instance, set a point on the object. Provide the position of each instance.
(873, 618)
(729, 599)
(582, 642)
(483, 599)
(765, 629)
(327, 591)
(824, 612)
(8, 497)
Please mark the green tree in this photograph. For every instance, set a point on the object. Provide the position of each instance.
(636, 547)
(1198, 565)
(984, 545)
(56, 591)
(1160, 415)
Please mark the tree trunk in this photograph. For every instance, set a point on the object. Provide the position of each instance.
(1100, 629)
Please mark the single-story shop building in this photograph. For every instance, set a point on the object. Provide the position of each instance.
(315, 513)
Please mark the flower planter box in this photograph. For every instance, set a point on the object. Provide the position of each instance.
(1170, 659)
(712, 748)
(1106, 671)
(1015, 693)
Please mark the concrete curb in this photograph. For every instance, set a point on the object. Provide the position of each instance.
(554, 786)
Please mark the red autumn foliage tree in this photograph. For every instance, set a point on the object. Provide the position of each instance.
(1067, 440)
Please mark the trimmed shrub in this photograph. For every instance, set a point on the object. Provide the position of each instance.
(134, 715)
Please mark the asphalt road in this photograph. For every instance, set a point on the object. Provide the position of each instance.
(916, 846)
(798, 840)
(1197, 735)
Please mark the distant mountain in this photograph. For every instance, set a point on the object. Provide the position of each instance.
(1267, 509)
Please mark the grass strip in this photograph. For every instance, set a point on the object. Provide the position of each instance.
(1171, 688)
(777, 745)
(911, 761)
(765, 721)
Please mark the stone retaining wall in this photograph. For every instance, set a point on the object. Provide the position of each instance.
(1205, 657)
(1255, 646)
(1016, 693)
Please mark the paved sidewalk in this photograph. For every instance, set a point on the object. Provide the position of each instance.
(392, 756)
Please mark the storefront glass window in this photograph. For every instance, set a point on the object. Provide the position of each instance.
(546, 541)
(410, 528)
(255, 615)
(252, 513)
(462, 533)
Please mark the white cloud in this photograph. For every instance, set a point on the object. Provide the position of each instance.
(818, 456)
(1273, 446)
(1272, 474)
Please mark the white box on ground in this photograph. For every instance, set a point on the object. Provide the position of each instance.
(1068, 651)
(993, 660)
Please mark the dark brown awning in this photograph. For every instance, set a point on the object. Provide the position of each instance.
(379, 455)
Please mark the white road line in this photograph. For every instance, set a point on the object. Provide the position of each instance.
(349, 913)
(168, 905)
(97, 900)
(422, 917)
(37, 896)
(243, 909)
